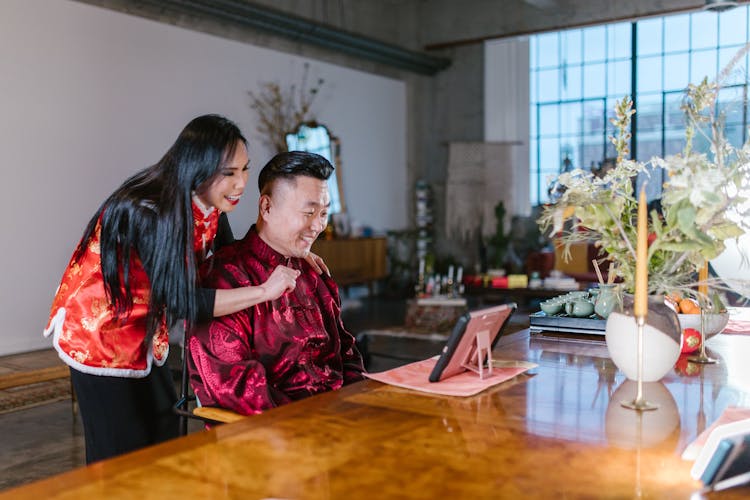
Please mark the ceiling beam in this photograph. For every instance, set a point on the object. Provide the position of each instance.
(300, 29)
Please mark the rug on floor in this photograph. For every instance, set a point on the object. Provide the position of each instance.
(26, 396)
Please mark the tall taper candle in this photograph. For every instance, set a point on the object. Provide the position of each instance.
(702, 278)
(640, 301)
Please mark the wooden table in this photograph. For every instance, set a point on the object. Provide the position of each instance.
(556, 432)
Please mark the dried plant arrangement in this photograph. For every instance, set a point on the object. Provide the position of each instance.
(281, 109)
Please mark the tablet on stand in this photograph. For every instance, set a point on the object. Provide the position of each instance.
(469, 348)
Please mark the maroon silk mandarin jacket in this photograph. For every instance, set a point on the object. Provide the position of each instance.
(275, 352)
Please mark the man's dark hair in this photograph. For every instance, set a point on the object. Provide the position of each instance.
(293, 164)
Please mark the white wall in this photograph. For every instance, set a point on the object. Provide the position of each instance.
(506, 110)
(88, 96)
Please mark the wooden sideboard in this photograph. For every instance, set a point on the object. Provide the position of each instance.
(355, 260)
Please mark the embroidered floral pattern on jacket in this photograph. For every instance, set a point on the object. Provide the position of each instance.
(86, 333)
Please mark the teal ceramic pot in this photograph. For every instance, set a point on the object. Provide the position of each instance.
(606, 300)
(579, 308)
(551, 307)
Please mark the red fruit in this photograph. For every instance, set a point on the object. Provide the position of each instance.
(691, 340)
(685, 367)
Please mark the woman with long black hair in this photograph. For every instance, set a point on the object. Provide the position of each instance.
(133, 278)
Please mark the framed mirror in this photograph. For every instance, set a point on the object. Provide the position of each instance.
(316, 138)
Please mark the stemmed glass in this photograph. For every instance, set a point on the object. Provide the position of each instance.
(702, 357)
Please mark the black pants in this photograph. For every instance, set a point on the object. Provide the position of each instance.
(123, 414)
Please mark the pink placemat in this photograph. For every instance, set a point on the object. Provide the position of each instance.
(416, 376)
(739, 321)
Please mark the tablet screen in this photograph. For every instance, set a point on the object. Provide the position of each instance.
(460, 350)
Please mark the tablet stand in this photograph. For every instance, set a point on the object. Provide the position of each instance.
(482, 340)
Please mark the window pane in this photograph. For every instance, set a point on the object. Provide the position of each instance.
(703, 32)
(731, 105)
(649, 36)
(677, 33)
(592, 151)
(676, 68)
(674, 116)
(570, 123)
(609, 150)
(649, 145)
(733, 27)
(649, 127)
(594, 44)
(533, 88)
(701, 141)
(649, 112)
(569, 158)
(674, 141)
(702, 64)
(593, 117)
(533, 41)
(549, 119)
(649, 74)
(549, 154)
(532, 121)
(618, 41)
(571, 82)
(674, 124)
(549, 85)
(736, 75)
(533, 178)
(618, 78)
(548, 50)
(572, 48)
(594, 80)
(733, 134)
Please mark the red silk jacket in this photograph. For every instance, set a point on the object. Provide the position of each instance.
(85, 332)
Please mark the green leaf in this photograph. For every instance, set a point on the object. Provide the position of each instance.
(726, 231)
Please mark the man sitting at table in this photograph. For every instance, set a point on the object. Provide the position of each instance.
(294, 345)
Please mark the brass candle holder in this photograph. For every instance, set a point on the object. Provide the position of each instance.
(639, 403)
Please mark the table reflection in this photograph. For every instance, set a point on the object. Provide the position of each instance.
(582, 403)
(629, 429)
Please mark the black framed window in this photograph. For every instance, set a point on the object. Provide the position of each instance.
(577, 75)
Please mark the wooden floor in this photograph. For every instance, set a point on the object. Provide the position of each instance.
(48, 439)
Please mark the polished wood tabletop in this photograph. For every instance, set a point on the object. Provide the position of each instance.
(557, 431)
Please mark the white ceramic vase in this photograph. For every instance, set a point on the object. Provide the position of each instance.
(662, 339)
